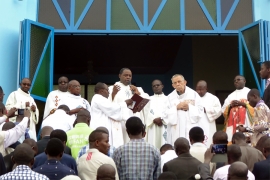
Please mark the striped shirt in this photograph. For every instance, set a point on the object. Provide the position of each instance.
(137, 160)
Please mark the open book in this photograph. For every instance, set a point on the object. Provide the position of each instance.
(138, 103)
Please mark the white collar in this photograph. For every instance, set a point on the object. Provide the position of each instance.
(198, 144)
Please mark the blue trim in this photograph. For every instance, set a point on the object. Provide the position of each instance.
(250, 62)
(153, 20)
(249, 25)
(108, 15)
(38, 98)
(229, 15)
(72, 14)
(61, 14)
(40, 60)
(51, 61)
(241, 68)
(218, 6)
(37, 10)
(27, 48)
(182, 15)
(208, 16)
(86, 9)
(134, 14)
(145, 14)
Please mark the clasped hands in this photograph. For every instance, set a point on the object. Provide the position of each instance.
(182, 106)
(236, 103)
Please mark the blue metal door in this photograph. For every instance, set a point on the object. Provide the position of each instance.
(253, 50)
(36, 57)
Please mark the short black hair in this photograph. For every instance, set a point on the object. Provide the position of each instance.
(54, 147)
(64, 107)
(220, 137)
(96, 135)
(7, 126)
(166, 147)
(60, 134)
(266, 64)
(122, 70)
(254, 92)
(196, 134)
(27, 79)
(23, 154)
(238, 136)
(99, 86)
(135, 126)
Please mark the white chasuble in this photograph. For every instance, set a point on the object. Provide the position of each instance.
(180, 121)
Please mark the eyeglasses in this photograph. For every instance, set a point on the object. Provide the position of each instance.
(26, 84)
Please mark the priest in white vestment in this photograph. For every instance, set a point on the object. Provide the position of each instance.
(212, 110)
(185, 111)
(237, 112)
(108, 114)
(21, 99)
(156, 125)
(55, 97)
(74, 100)
(122, 91)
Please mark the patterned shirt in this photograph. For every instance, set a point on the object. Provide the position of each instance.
(23, 172)
(137, 160)
(84, 149)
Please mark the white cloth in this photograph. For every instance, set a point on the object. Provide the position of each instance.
(59, 120)
(197, 150)
(31, 135)
(18, 99)
(212, 108)
(236, 95)
(222, 173)
(108, 114)
(180, 121)
(74, 102)
(122, 95)
(89, 163)
(53, 100)
(3, 119)
(157, 135)
(166, 157)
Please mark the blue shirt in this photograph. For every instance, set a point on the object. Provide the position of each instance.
(66, 160)
(54, 170)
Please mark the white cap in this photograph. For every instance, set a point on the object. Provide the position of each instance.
(71, 177)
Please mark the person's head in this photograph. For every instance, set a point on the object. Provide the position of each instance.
(59, 134)
(1, 94)
(253, 97)
(265, 70)
(83, 116)
(63, 84)
(33, 144)
(220, 137)
(233, 153)
(71, 177)
(157, 86)
(179, 83)
(238, 138)
(125, 76)
(102, 89)
(239, 82)
(201, 88)
(165, 148)
(54, 149)
(135, 128)
(238, 171)
(106, 172)
(25, 84)
(181, 146)
(74, 87)
(64, 107)
(102, 129)
(23, 155)
(196, 134)
(99, 139)
(8, 126)
(266, 148)
(260, 143)
(2, 108)
(167, 175)
(46, 131)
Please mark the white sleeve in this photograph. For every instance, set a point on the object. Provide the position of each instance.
(3, 119)
(213, 110)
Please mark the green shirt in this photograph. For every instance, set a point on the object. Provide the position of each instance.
(77, 138)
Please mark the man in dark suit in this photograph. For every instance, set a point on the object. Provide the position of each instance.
(265, 74)
(184, 166)
(261, 169)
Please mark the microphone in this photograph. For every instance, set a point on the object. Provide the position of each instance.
(132, 91)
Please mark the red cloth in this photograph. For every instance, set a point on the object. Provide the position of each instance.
(237, 117)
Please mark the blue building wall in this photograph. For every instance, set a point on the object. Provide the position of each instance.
(261, 9)
(11, 13)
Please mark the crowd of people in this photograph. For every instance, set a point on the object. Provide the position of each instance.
(172, 137)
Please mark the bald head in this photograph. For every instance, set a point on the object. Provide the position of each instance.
(238, 171)
(99, 86)
(33, 144)
(181, 146)
(74, 87)
(46, 131)
(220, 137)
(8, 126)
(23, 155)
(103, 129)
(83, 116)
(202, 83)
(106, 171)
(201, 88)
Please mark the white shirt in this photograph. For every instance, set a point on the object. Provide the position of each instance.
(166, 157)
(197, 150)
(59, 120)
(222, 173)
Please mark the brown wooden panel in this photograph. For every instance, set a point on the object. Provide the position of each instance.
(138, 7)
(152, 8)
(47, 14)
(95, 18)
